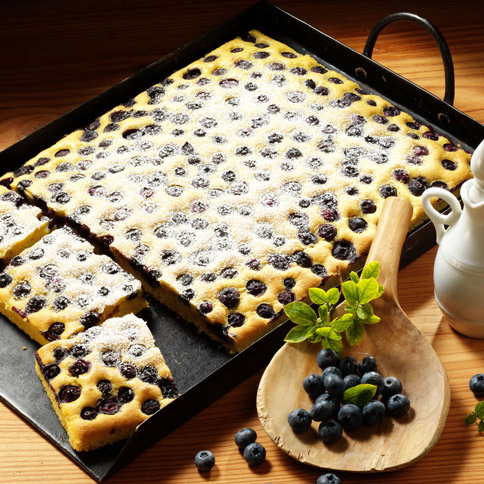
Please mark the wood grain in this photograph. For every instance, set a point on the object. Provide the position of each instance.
(56, 55)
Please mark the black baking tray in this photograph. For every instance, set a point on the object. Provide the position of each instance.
(202, 369)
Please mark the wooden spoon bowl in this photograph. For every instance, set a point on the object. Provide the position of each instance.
(400, 350)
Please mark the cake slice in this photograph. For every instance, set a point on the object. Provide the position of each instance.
(105, 381)
(59, 286)
(21, 225)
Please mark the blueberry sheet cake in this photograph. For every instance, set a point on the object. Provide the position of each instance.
(59, 286)
(21, 225)
(105, 381)
(240, 181)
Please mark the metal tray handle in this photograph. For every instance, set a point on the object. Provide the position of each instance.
(434, 32)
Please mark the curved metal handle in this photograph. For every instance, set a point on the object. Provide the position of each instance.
(434, 32)
(439, 219)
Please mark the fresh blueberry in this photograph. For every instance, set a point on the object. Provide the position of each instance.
(391, 386)
(373, 412)
(330, 431)
(334, 385)
(368, 363)
(398, 405)
(204, 460)
(351, 381)
(350, 417)
(348, 365)
(299, 420)
(313, 385)
(476, 384)
(254, 454)
(328, 479)
(327, 357)
(321, 410)
(373, 378)
(331, 370)
(245, 437)
(330, 400)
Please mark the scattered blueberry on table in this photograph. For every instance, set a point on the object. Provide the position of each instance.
(244, 437)
(204, 460)
(328, 479)
(476, 384)
(254, 454)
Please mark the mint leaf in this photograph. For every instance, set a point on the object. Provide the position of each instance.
(324, 331)
(480, 427)
(300, 313)
(470, 418)
(371, 320)
(333, 296)
(354, 333)
(313, 335)
(350, 292)
(342, 323)
(354, 277)
(371, 270)
(336, 345)
(381, 290)
(365, 311)
(360, 394)
(323, 313)
(318, 296)
(479, 410)
(297, 334)
(367, 290)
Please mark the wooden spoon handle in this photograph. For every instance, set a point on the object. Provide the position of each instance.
(387, 246)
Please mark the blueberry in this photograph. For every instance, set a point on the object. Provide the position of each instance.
(373, 378)
(254, 454)
(328, 479)
(327, 357)
(398, 405)
(330, 431)
(204, 460)
(332, 370)
(334, 385)
(350, 417)
(373, 412)
(476, 384)
(391, 386)
(245, 437)
(348, 365)
(313, 385)
(299, 420)
(351, 380)
(322, 409)
(368, 363)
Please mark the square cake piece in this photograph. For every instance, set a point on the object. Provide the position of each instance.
(59, 286)
(105, 381)
(241, 181)
(21, 225)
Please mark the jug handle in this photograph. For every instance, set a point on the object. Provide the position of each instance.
(439, 219)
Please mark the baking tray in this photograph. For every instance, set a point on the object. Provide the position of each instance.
(203, 370)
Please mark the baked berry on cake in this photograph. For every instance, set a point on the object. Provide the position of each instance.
(59, 286)
(240, 181)
(21, 225)
(105, 381)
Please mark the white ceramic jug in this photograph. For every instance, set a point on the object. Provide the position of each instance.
(459, 264)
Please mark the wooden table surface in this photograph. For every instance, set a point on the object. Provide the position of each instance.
(57, 54)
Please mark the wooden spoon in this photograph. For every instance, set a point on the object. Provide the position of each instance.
(400, 350)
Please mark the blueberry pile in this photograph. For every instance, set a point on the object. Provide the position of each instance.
(327, 389)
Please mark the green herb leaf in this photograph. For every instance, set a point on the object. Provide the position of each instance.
(359, 394)
(354, 277)
(297, 334)
(354, 333)
(371, 270)
(381, 290)
(300, 313)
(323, 313)
(479, 410)
(333, 296)
(336, 345)
(480, 427)
(313, 335)
(318, 296)
(364, 311)
(470, 418)
(367, 290)
(342, 323)
(350, 292)
(371, 320)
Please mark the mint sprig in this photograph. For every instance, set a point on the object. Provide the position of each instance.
(359, 394)
(476, 417)
(319, 327)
